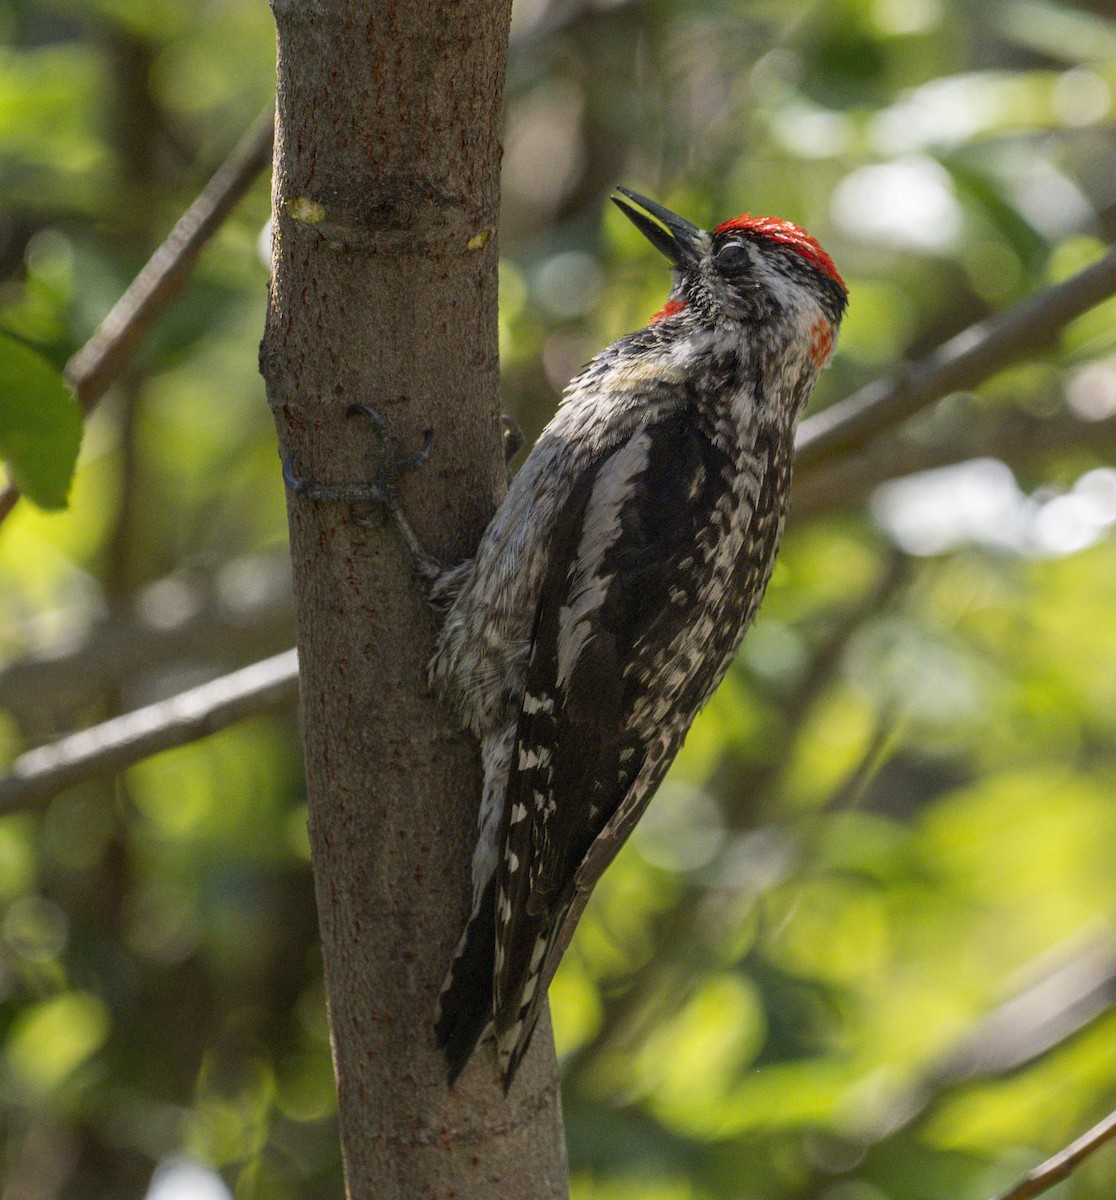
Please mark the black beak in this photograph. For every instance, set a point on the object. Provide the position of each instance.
(667, 232)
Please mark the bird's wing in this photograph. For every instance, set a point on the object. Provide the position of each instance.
(624, 572)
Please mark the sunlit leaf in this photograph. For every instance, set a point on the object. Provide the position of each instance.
(40, 425)
(51, 1039)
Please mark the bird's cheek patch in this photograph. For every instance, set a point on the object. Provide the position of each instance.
(821, 342)
(668, 310)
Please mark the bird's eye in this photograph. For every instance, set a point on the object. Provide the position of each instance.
(733, 258)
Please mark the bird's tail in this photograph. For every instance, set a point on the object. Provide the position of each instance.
(518, 1014)
(465, 1003)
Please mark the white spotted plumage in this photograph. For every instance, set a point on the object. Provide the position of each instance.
(612, 588)
(587, 582)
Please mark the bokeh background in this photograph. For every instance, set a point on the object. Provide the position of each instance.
(863, 945)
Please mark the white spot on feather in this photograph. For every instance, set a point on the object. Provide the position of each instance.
(537, 756)
(497, 755)
(508, 1043)
(588, 587)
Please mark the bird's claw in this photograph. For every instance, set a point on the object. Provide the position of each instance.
(375, 418)
(420, 455)
(512, 437)
(384, 490)
(380, 426)
(311, 489)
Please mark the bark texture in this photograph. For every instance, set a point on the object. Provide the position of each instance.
(384, 291)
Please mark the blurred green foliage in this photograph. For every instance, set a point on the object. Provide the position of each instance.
(40, 425)
(863, 946)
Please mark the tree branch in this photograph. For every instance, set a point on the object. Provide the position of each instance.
(1016, 438)
(1055, 1007)
(962, 362)
(94, 368)
(113, 745)
(1063, 1164)
(241, 613)
(1062, 999)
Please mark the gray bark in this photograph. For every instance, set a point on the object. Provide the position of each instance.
(384, 291)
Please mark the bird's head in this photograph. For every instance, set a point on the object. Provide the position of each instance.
(750, 271)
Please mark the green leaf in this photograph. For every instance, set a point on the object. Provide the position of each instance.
(40, 425)
(51, 1039)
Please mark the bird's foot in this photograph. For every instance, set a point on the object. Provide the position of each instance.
(512, 437)
(382, 493)
(385, 486)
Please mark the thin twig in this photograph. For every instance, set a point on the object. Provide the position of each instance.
(93, 369)
(1067, 989)
(240, 614)
(98, 363)
(1064, 1163)
(1018, 439)
(961, 363)
(39, 774)
(1058, 1004)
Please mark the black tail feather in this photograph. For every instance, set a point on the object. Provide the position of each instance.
(518, 1054)
(465, 1005)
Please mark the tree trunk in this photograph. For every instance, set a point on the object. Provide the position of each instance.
(384, 291)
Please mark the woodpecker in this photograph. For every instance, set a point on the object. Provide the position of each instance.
(612, 588)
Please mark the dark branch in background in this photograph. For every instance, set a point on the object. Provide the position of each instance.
(99, 363)
(1062, 1165)
(1063, 999)
(961, 363)
(265, 686)
(1045, 1015)
(243, 612)
(1017, 438)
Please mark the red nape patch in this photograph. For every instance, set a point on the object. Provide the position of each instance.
(789, 234)
(821, 342)
(668, 310)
